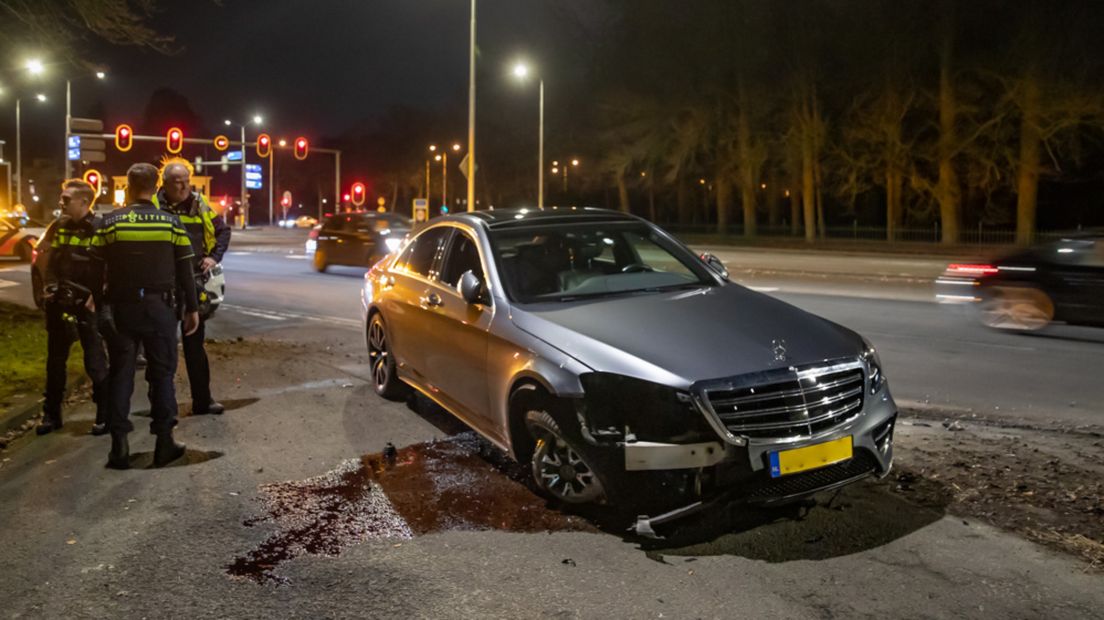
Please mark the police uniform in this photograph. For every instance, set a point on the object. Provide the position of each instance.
(210, 237)
(146, 257)
(69, 263)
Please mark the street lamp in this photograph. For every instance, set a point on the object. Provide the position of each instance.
(35, 67)
(100, 75)
(257, 120)
(521, 72)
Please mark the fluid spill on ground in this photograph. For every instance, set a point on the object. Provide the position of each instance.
(455, 484)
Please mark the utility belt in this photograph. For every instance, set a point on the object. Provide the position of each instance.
(137, 295)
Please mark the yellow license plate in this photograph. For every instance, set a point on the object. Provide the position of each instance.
(810, 457)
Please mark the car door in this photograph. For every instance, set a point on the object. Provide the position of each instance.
(457, 332)
(329, 238)
(1079, 265)
(409, 306)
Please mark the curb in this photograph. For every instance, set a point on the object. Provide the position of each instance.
(18, 415)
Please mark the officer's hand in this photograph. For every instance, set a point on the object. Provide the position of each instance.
(90, 304)
(191, 323)
(207, 263)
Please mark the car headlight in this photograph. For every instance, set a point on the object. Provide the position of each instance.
(874, 364)
(615, 404)
(392, 243)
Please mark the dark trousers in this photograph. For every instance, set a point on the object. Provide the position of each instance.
(60, 335)
(199, 369)
(151, 322)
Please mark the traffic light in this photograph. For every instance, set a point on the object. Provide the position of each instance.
(358, 193)
(264, 145)
(95, 179)
(124, 138)
(174, 140)
(301, 147)
(221, 143)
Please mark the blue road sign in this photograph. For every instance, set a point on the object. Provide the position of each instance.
(74, 154)
(253, 184)
(74, 142)
(253, 176)
(234, 156)
(252, 168)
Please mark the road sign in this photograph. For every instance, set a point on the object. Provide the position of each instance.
(253, 176)
(234, 156)
(74, 142)
(86, 125)
(464, 166)
(92, 156)
(253, 184)
(421, 209)
(74, 154)
(252, 168)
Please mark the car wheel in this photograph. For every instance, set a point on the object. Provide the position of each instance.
(320, 263)
(36, 287)
(1020, 308)
(384, 378)
(561, 467)
(25, 251)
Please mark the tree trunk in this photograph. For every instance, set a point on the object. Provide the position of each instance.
(774, 200)
(795, 205)
(682, 201)
(747, 164)
(724, 199)
(893, 182)
(808, 187)
(947, 189)
(622, 193)
(1027, 176)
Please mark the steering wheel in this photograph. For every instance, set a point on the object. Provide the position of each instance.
(636, 268)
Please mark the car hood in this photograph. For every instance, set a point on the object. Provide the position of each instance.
(681, 337)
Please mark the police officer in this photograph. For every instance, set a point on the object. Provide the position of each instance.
(210, 237)
(144, 257)
(66, 294)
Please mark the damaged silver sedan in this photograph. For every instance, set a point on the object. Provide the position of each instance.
(622, 367)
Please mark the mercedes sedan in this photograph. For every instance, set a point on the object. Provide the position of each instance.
(621, 367)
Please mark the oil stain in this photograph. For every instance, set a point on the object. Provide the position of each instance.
(459, 483)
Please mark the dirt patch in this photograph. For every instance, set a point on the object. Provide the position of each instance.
(460, 483)
(1044, 484)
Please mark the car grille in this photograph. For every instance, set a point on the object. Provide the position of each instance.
(792, 402)
(794, 485)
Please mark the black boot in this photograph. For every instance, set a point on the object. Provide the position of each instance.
(49, 424)
(119, 457)
(167, 450)
(214, 408)
(99, 428)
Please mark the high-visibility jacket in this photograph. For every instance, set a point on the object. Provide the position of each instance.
(208, 231)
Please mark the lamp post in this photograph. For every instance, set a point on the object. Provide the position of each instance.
(471, 113)
(521, 71)
(100, 75)
(257, 120)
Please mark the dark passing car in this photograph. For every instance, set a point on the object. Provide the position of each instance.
(1026, 291)
(621, 367)
(359, 239)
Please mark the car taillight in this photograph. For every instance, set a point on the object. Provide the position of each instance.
(34, 255)
(971, 270)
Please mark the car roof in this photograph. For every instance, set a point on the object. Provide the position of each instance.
(521, 217)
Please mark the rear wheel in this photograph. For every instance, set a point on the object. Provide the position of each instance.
(384, 378)
(1020, 308)
(320, 263)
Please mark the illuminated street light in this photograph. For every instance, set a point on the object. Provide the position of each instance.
(574, 162)
(456, 147)
(227, 122)
(436, 158)
(101, 75)
(521, 72)
(41, 97)
(257, 119)
(432, 148)
(283, 142)
(35, 66)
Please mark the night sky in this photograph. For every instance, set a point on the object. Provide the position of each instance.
(313, 68)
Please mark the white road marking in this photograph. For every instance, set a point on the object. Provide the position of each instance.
(764, 289)
(281, 315)
(297, 256)
(239, 253)
(7, 283)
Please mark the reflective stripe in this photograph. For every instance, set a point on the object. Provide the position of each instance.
(70, 240)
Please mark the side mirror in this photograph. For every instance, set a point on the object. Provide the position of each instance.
(715, 264)
(472, 289)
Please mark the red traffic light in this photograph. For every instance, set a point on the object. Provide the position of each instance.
(358, 193)
(221, 143)
(301, 147)
(124, 138)
(264, 145)
(174, 140)
(93, 178)
(346, 197)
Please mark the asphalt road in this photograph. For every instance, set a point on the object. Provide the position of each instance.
(277, 485)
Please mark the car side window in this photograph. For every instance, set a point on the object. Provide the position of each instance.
(463, 256)
(420, 255)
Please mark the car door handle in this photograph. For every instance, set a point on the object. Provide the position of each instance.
(430, 299)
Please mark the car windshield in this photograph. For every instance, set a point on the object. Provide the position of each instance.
(591, 260)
